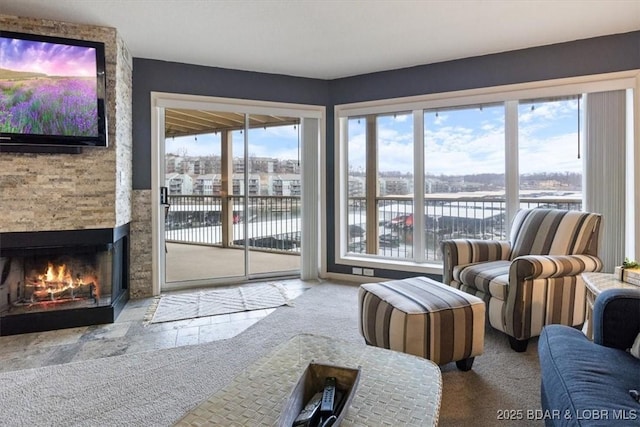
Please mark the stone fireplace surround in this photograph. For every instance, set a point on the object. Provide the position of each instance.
(89, 192)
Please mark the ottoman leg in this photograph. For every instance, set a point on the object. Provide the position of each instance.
(465, 364)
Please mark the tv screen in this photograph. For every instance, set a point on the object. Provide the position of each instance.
(52, 91)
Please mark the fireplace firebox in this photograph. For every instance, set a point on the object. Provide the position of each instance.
(61, 279)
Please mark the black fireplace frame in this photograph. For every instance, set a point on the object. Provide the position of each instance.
(115, 238)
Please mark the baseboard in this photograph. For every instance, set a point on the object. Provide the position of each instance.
(352, 278)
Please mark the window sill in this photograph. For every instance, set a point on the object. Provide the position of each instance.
(390, 264)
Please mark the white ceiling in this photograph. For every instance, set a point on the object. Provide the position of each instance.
(331, 38)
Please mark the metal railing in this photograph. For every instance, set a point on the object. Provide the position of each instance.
(274, 222)
(444, 218)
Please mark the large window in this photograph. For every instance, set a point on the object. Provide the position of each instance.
(464, 174)
(356, 185)
(380, 185)
(478, 163)
(461, 189)
(549, 155)
(394, 153)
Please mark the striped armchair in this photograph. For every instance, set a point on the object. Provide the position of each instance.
(533, 279)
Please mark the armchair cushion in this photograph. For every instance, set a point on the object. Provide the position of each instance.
(554, 232)
(490, 278)
(461, 252)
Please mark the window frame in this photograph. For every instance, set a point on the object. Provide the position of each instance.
(510, 95)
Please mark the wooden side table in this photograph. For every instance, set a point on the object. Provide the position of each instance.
(596, 283)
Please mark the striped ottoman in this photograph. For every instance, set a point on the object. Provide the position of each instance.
(423, 317)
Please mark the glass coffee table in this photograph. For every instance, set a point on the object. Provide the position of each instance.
(394, 388)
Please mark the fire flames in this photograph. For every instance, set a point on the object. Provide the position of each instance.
(58, 282)
(56, 275)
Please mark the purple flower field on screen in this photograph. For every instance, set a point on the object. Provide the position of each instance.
(49, 106)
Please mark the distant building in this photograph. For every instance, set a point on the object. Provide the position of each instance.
(262, 164)
(238, 165)
(396, 186)
(170, 163)
(204, 166)
(217, 185)
(253, 188)
(286, 185)
(184, 165)
(207, 185)
(179, 184)
(289, 167)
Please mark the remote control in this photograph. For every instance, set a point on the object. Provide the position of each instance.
(328, 395)
(309, 411)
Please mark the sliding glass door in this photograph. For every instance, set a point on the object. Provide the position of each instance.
(230, 194)
(272, 182)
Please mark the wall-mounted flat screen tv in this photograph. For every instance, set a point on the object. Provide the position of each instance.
(52, 91)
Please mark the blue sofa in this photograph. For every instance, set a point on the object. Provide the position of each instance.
(585, 383)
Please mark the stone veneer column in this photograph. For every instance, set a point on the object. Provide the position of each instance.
(140, 277)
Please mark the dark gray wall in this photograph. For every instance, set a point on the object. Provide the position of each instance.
(583, 57)
(578, 58)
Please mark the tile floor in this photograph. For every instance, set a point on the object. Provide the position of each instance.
(130, 333)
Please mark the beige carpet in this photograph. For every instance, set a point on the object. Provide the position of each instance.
(156, 388)
(212, 302)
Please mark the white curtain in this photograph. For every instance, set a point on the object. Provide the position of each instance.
(604, 170)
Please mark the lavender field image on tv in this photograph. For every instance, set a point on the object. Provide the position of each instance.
(47, 88)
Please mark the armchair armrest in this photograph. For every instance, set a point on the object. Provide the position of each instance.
(530, 267)
(616, 317)
(466, 251)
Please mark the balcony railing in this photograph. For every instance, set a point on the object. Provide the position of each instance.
(274, 222)
(444, 218)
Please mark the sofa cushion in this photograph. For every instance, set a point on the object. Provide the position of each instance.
(489, 277)
(579, 377)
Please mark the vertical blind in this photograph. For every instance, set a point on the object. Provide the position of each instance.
(310, 239)
(604, 174)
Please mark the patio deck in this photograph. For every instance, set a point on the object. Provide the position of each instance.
(195, 262)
